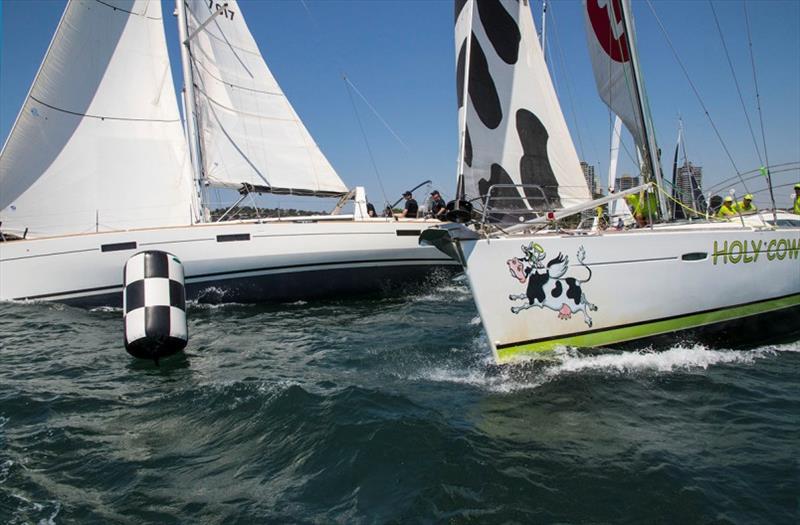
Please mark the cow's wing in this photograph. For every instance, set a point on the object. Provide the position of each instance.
(558, 269)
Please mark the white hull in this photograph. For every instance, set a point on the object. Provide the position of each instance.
(643, 283)
(273, 260)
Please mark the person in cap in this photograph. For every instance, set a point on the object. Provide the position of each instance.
(746, 206)
(411, 207)
(438, 206)
(796, 208)
(728, 208)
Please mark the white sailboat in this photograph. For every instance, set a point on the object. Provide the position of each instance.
(98, 166)
(538, 286)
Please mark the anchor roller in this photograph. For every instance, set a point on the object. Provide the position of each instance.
(154, 305)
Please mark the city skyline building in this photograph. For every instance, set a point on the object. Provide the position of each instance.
(591, 181)
(626, 182)
(683, 184)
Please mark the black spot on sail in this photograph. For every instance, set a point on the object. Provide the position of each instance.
(482, 91)
(505, 203)
(459, 4)
(467, 148)
(556, 289)
(462, 57)
(501, 28)
(534, 166)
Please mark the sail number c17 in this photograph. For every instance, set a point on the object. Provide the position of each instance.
(214, 7)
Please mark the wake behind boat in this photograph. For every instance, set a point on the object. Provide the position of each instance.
(99, 165)
(540, 283)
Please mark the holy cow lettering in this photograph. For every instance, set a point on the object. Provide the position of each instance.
(736, 252)
(720, 252)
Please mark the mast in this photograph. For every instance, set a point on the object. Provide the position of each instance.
(649, 140)
(460, 190)
(189, 112)
(544, 28)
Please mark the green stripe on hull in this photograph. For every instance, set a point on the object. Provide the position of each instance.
(648, 329)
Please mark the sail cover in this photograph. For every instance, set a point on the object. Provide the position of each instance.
(98, 144)
(511, 124)
(250, 134)
(611, 53)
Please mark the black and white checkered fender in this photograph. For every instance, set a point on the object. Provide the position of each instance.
(154, 302)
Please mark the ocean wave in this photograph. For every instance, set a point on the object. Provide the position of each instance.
(676, 358)
(448, 293)
(5, 469)
(106, 309)
(194, 305)
(533, 373)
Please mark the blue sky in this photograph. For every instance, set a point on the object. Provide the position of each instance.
(400, 55)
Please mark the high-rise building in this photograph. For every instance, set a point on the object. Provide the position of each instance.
(626, 182)
(683, 183)
(591, 181)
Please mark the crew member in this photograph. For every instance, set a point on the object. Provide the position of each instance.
(634, 202)
(371, 210)
(438, 206)
(411, 208)
(746, 207)
(796, 199)
(727, 209)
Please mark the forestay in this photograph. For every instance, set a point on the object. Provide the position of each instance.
(511, 124)
(98, 144)
(250, 134)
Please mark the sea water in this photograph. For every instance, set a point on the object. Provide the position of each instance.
(384, 411)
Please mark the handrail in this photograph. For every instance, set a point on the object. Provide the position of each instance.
(525, 198)
(572, 210)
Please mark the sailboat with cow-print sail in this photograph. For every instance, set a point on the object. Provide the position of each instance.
(512, 131)
(651, 283)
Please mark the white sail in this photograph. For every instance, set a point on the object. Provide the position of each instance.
(512, 127)
(250, 134)
(616, 208)
(98, 144)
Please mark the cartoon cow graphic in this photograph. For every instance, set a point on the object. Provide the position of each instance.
(547, 286)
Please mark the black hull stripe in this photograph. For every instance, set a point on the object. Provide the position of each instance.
(231, 274)
(87, 250)
(648, 321)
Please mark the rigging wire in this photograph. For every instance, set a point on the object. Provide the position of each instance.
(696, 93)
(366, 143)
(758, 104)
(350, 87)
(736, 81)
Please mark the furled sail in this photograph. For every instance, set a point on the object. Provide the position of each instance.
(612, 48)
(250, 134)
(98, 144)
(610, 51)
(511, 124)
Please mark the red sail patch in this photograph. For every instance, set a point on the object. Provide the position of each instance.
(599, 14)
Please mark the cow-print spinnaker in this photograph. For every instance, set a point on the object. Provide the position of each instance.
(501, 28)
(534, 166)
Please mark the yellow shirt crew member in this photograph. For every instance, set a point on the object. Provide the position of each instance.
(746, 206)
(796, 199)
(727, 209)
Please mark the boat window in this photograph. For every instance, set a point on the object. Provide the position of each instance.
(786, 223)
(408, 233)
(694, 256)
(118, 246)
(233, 237)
